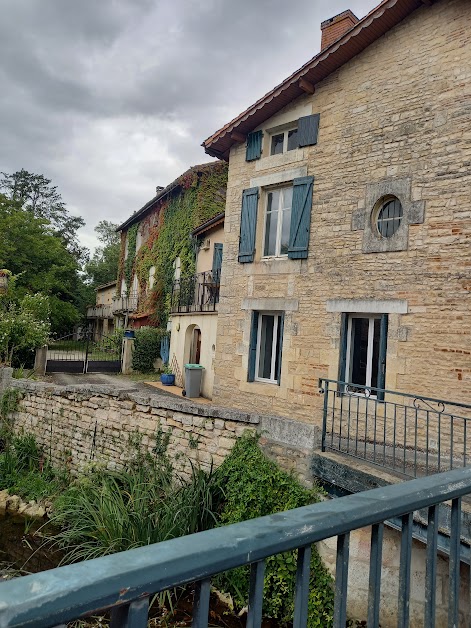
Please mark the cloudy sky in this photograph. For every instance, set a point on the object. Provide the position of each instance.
(109, 98)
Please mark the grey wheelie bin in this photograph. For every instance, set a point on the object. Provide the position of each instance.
(193, 377)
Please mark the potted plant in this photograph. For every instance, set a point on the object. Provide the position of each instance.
(166, 376)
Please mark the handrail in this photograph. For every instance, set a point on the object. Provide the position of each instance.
(65, 593)
(407, 433)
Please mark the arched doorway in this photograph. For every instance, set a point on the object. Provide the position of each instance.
(192, 352)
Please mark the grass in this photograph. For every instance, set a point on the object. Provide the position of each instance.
(153, 376)
(24, 470)
(112, 511)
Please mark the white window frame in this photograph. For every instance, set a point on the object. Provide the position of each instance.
(279, 227)
(285, 133)
(276, 324)
(369, 357)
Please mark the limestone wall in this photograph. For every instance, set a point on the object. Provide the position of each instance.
(395, 115)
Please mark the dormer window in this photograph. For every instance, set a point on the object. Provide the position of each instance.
(284, 141)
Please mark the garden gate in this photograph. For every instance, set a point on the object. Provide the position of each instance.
(84, 353)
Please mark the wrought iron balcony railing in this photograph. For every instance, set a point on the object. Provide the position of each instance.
(100, 311)
(409, 434)
(126, 582)
(198, 293)
(125, 303)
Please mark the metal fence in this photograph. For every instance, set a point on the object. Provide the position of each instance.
(88, 353)
(409, 434)
(125, 582)
(198, 293)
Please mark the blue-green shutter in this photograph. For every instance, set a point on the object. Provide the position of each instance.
(217, 259)
(300, 218)
(308, 129)
(343, 348)
(383, 346)
(248, 224)
(254, 146)
(253, 347)
(280, 346)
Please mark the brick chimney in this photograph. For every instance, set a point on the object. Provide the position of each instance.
(335, 27)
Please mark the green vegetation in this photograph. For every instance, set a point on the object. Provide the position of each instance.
(254, 486)
(39, 245)
(147, 348)
(24, 470)
(199, 195)
(102, 268)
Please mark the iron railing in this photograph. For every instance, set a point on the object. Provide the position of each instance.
(198, 293)
(125, 303)
(410, 434)
(126, 581)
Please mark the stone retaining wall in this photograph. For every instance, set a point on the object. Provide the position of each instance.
(80, 425)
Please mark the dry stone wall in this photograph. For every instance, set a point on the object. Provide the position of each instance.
(82, 425)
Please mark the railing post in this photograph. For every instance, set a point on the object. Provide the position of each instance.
(324, 386)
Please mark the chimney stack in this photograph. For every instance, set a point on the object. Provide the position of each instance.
(158, 189)
(335, 27)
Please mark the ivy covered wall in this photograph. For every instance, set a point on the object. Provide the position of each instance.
(197, 195)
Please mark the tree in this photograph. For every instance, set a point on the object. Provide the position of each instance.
(41, 262)
(23, 326)
(35, 194)
(103, 266)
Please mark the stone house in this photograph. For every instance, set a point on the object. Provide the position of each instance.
(194, 305)
(100, 316)
(348, 220)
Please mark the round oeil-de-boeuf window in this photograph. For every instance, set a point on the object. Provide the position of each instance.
(389, 217)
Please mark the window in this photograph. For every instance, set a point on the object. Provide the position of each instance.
(389, 217)
(266, 341)
(284, 141)
(151, 277)
(363, 359)
(278, 222)
(176, 269)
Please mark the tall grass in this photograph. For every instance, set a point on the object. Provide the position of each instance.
(112, 511)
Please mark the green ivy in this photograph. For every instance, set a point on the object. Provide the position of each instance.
(131, 254)
(199, 195)
(147, 348)
(254, 486)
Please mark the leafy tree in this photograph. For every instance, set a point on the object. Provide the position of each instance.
(103, 266)
(35, 194)
(23, 326)
(39, 258)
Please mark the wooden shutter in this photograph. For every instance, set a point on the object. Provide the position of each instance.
(248, 223)
(254, 146)
(343, 348)
(308, 128)
(280, 346)
(383, 346)
(217, 259)
(253, 347)
(300, 218)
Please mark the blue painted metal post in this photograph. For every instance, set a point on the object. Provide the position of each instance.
(325, 388)
(257, 574)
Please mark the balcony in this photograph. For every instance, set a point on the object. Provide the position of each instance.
(100, 311)
(198, 293)
(407, 434)
(125, 303)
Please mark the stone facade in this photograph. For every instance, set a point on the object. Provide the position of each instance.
(396, 117)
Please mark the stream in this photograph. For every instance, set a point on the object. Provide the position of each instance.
(21, 548)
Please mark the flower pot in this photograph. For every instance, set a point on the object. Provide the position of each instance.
(167, 380)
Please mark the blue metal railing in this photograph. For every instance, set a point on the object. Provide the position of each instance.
(410, 434)
(124, 582)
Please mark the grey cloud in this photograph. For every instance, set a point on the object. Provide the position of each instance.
(112, 97)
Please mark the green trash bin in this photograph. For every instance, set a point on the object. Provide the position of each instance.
(193, 377)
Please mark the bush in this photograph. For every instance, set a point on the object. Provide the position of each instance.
(253, 486)
(147, 348)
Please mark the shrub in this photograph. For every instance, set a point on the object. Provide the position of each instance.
(111, 511)
(253, 486)
(147, 348)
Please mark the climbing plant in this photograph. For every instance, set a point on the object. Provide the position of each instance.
(199, 194)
